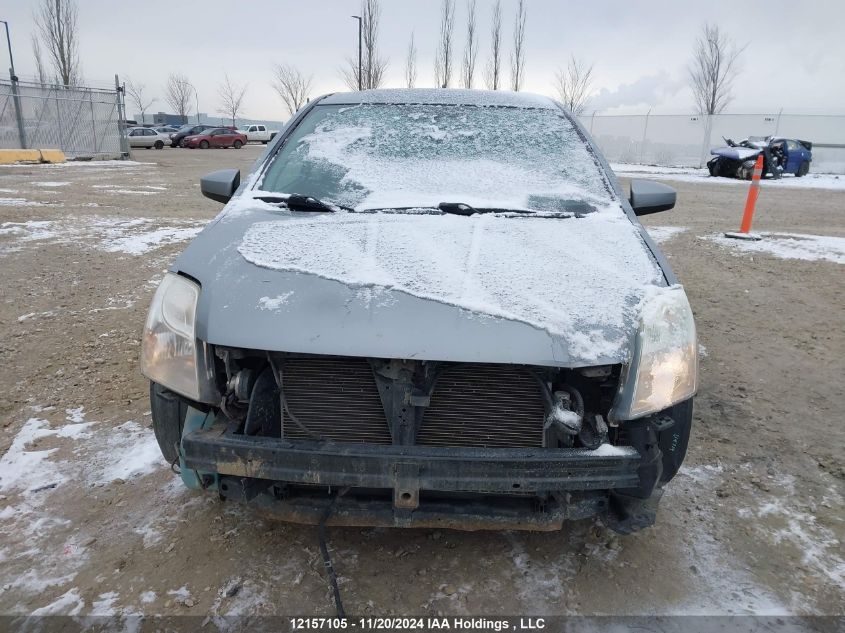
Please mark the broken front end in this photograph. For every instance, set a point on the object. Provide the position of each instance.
(380, 442)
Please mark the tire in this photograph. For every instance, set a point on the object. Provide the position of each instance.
(264, 142)
(147, 147)
(168, 412)
(713, 167)
(159, 145)
(803, 170)
(237, 145)
(203, 144)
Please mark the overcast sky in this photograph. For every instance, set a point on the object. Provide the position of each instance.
(795, 55)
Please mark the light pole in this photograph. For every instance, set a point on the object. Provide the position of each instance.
(360, 28)
(9, 43)
(197, 97)
(15, 96)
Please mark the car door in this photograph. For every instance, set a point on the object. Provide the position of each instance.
(218, 138)
(794, 156)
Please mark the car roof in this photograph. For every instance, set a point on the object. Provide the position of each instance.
(443, 96)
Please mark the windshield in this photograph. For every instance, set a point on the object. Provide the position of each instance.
(375, 156)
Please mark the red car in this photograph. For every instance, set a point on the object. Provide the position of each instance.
(216, 137)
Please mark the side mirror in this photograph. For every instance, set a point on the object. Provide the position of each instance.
(221, 185)
(648, 196)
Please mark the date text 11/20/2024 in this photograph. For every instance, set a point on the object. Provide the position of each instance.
(478, 625)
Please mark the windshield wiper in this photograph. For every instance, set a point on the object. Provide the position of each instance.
(297, 202)
(459, 208)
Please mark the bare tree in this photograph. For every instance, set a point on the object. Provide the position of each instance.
(135, 92)
(713, 69)
(373, 65)
(493, 73)
(231, 98)
(443, 57)
(411, 63)
(292, 86)
(178, 93)
(55, 22)
(40, 70)
(471, 47)
(518, 54)
(573, 85)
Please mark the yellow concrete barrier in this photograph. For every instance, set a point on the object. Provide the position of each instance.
(11, 156)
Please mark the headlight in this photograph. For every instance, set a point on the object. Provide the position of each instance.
(664, 367)
(169, 347)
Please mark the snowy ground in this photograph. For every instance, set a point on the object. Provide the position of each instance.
(692, 174)
(92, 520)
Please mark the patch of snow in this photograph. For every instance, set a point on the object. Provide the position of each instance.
(266, 303)
(22, 469)
(609, 450)
(20, 202)
(661, 234)
(789, 246)
(133, 192)
(133, 452)
(702, 351)
(51, 183)
(69, 603)
(819, 546)
(8, 191)
(599, 259)
(693, 174)
(147, 597)
(141, 243)
(491, 98)
(105, 605)
(180, 594)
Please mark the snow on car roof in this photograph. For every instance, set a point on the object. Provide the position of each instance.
(444, 96)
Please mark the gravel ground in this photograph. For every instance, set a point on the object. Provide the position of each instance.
(94, 522)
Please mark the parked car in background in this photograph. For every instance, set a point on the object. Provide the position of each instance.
(146, 137)
(258, 133)
(454, 319)
(165, 129)
(780, 156)
(216, 137)
(188, 130)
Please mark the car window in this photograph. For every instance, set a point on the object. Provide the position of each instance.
(260, 128)
(149, 133)
(384, 155)
(792, 146)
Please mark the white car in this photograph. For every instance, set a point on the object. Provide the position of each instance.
(146, 137)
(258, 133)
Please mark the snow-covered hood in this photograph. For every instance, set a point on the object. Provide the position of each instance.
(736, 153)
(485, 288)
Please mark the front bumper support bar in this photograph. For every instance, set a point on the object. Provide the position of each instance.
(409, 469)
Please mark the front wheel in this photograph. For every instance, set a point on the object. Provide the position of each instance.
(204, 145)
(237, 144)
(803, 170)
(159, 145)
(265, 142)
(168, 411)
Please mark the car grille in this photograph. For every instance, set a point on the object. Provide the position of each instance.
(336, 398)
(484, 406)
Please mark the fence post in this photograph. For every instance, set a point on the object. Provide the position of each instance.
(93, 120)
(16, 99)
(119, 91)
(705, 143)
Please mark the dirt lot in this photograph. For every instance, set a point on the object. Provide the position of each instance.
(94, 522)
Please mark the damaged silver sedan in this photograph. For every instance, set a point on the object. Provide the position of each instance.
(426, 308)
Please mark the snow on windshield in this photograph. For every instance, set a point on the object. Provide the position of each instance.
(580, 278)
(414, 155)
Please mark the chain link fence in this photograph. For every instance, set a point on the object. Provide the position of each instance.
(82, 122)
(685, 140)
